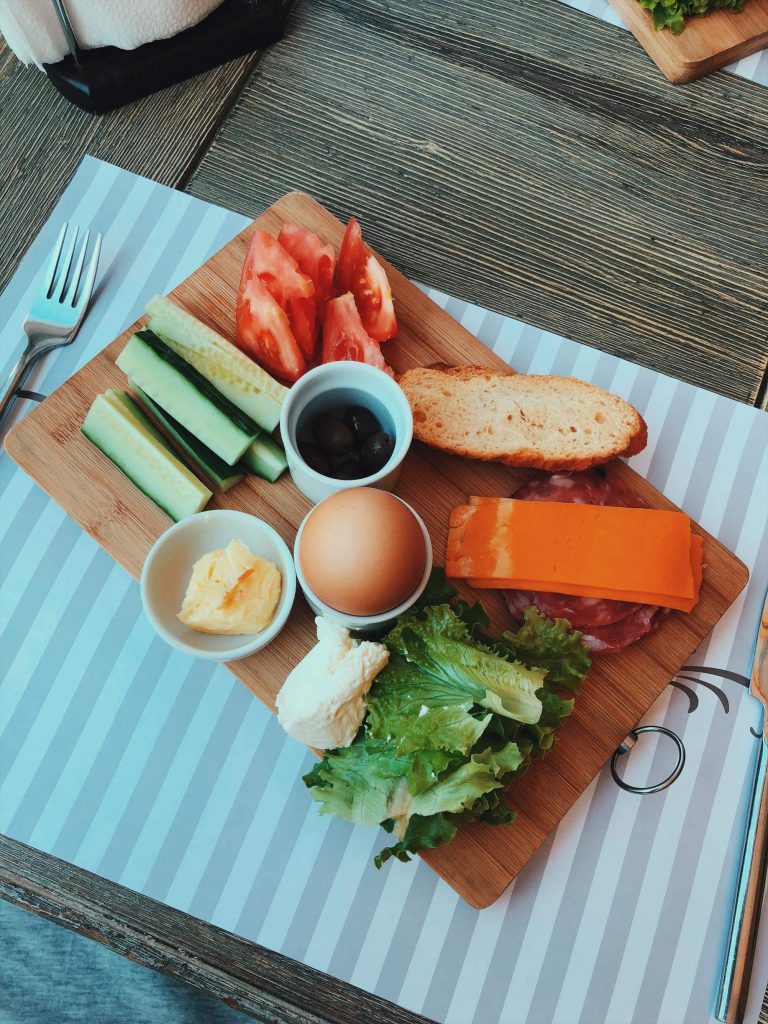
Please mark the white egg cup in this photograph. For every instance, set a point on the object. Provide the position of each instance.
(365, 623)
(168, 568)
(332, 387)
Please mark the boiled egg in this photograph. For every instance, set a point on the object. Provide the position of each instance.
(362, 551)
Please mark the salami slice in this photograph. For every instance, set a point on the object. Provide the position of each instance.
(591, 487)
(614, 638)
(607, 626)
(582, 612)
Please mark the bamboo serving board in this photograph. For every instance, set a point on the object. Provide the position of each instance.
(706, 43)
(482, 860)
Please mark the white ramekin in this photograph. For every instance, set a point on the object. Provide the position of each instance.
(338, 385)
(364, 623)
(168, 568)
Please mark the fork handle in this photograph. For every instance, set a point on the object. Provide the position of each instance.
(14, 379)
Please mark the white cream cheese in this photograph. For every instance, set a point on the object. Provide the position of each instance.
(321, 702)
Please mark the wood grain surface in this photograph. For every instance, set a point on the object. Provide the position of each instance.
(44, 138)
(530, 158)
(705, 45)
(482, 861)
(260, 982)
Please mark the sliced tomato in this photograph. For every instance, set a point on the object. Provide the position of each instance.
(344, 336)
(293, 291)
(314, 259)
(264, 331)
(358, 271)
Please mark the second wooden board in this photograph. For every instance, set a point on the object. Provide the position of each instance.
(706, 43)
(482, 861)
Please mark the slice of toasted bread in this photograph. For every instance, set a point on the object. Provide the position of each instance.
(538, 421)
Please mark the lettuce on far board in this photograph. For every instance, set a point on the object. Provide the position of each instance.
(671, 14)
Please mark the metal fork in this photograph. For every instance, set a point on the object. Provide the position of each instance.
(59, 306)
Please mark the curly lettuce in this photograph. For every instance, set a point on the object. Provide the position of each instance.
(454, 716)
(671, 14)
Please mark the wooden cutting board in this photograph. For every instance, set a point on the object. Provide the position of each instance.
(483, 860)
(706, 43)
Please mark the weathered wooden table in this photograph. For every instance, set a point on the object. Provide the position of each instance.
(524, 156)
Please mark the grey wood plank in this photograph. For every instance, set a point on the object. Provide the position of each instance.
(44, 138)
(264, 984)
(527, 157)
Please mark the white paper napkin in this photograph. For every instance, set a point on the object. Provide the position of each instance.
(32, 30)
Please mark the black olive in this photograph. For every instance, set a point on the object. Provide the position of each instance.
(349, 469)
(315, 459)
(376, 452)
(361, 422)
(331, 435)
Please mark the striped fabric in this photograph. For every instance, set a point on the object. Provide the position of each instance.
(754, 68)
(166, 775)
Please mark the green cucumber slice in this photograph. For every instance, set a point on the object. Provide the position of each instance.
(207, 462)
(187, 396)
(237, 377)
(265, 458)
(136, 448)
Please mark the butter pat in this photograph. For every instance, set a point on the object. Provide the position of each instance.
(321, 703)
(231, 592)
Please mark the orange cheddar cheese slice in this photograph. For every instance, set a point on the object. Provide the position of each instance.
(642, 555)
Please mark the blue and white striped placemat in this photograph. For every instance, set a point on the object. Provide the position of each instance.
(753, 68)
(168, 776)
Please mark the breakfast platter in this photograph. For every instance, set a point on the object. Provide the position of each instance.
(482, 859)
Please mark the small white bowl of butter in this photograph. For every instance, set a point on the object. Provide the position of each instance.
(221, 542)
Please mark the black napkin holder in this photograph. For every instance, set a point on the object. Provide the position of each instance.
(101, 79)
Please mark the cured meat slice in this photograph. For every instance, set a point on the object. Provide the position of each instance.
(591, 487)
(581, 612)
(614, 638)
(607, 626)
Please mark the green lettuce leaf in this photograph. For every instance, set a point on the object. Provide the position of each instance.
(507, 688)
(421, 834)
(419, 711)
(550, 644)
(450, 720)
(359, 782)
(671, 14)
(440, 592)
(368, 783)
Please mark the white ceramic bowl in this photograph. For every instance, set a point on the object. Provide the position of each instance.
(332, 387)
(168, 568)
(364, 623)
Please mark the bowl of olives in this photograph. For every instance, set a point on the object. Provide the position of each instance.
(345, 424)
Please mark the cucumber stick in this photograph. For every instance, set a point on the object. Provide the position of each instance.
(117, 427)
(186, 395)
(207, 462)
(237, 377)
(265, 458)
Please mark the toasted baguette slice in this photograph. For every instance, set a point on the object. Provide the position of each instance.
(521, 420)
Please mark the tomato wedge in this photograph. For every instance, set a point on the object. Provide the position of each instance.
(264, 331)
(314, 259)
(344, 336)
(358, 271)
(268, 262)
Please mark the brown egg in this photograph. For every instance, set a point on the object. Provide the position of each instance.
(362, 551)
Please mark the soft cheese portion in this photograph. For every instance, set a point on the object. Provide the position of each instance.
(231, 591)
(321, 702)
